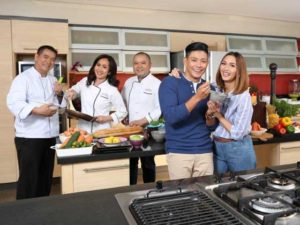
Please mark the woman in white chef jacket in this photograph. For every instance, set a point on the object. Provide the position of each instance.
(99, 94)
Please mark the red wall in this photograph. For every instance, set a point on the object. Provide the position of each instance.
(122, 77)
(263, 82)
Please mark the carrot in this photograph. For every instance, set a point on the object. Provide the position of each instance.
(80, 138)
(88, 139)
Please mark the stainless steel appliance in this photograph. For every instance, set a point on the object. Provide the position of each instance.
(271, 197)
(55, 71)
(215, 58)
(190, 204)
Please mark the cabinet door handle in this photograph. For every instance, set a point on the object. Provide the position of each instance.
(30, 49)
(285, 148)
(91, 170)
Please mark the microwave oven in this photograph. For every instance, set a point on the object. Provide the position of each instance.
(56, 70)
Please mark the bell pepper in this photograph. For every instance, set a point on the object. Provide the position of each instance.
(286, 121)
(290, 129)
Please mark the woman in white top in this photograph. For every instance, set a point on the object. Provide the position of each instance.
(99, 95)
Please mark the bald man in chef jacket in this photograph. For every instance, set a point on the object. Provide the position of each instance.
(140, 94)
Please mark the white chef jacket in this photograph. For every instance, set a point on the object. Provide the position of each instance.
(28, 90)
(142, 98)
(99, 100)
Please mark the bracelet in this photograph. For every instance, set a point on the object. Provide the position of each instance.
(209, 117)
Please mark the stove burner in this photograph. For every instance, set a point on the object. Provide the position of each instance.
(268, 205)
(281, 183)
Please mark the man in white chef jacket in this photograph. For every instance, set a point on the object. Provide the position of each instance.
(140, 94)
(34, 100)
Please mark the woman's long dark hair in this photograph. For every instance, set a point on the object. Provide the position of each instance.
(111, 77)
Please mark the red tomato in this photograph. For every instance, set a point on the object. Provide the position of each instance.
(255, 126)
(282, 130)
(278, 127)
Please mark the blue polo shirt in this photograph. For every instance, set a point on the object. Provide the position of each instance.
(186, 132)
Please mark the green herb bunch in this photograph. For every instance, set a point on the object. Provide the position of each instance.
(285, 109)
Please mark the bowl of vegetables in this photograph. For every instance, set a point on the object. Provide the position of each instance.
(136, 140)
(156, 123)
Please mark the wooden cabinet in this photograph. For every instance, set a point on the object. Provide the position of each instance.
(19, 40)
(179, 41)
(277, 154)
(8, 160)
(95, 175)
(289, 152)
(266, 155)
(27, 36)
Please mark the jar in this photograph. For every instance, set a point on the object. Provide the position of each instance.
(294, 89)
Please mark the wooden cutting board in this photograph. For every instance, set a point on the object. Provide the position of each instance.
(124, 131)
(263, 137)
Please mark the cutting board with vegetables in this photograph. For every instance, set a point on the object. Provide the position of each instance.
(263, 137)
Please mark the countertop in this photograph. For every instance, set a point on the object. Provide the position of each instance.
(157, 149)
(91, 208)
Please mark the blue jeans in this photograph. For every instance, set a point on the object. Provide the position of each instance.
(234, 156)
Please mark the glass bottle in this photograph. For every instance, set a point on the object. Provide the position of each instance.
(294, 89)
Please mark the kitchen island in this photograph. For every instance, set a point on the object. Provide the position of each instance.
(102, 206)
(108, 170)
(90, 208)
(103, 170)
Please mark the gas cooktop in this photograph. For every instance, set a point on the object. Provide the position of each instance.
(271, 197)
(186, 205)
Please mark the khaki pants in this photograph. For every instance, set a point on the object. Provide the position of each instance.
(189, 165)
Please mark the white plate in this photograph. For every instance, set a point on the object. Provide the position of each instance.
(65, 152)
(122, 139)
(258, 132)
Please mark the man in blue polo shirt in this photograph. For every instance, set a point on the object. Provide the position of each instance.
(184, 104)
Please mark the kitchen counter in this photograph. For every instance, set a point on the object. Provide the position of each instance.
(110, 170)
(91, 208)
(279, 139)
(156, 149)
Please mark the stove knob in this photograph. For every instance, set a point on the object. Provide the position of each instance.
(159, 185)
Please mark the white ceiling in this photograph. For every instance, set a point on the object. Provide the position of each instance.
(283, 10)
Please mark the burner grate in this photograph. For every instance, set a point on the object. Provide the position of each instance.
(181, 208)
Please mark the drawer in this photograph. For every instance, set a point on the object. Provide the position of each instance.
(101, 175)
(289, 152)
